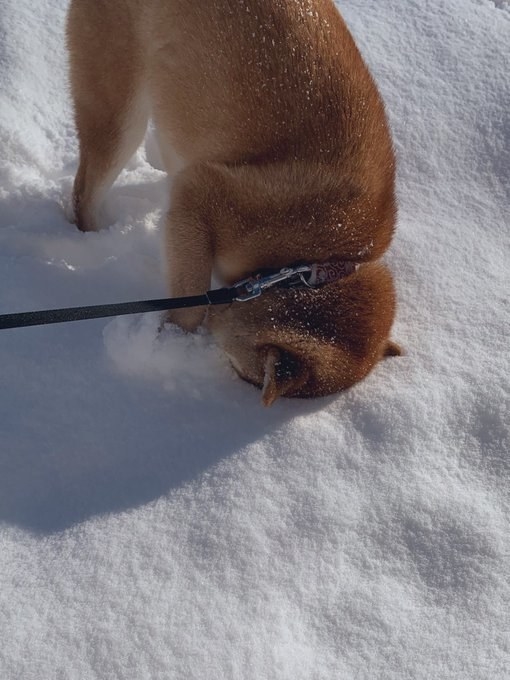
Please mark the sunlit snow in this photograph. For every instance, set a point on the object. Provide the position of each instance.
(155, 520)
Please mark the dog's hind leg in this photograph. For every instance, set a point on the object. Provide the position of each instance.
(111, 108)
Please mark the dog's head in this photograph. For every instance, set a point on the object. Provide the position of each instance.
(310, 342)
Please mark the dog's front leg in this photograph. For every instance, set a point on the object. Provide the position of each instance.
(189, 246)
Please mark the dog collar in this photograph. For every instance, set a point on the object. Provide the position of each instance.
(328, 272)
(302, 276)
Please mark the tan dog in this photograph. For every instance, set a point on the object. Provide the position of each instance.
(277, 139)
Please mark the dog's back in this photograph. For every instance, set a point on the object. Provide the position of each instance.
(265, 81)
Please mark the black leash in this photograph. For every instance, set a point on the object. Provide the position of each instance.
(49, 316)
(241, 292)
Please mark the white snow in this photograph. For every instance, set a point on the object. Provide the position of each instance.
(155, 520)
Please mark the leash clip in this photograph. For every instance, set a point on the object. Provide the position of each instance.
(253, 287)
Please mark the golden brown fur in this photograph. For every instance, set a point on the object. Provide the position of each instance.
(277, 139)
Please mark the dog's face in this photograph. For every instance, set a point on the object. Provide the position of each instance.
(310, 343)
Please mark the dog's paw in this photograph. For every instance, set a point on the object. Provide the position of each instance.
(187, 319)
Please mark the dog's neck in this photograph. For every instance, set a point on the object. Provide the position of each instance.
(328, 272)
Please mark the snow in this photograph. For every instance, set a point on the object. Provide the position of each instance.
(155, 520)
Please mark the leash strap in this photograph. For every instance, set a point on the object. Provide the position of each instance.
(310, 276)
(50, 316)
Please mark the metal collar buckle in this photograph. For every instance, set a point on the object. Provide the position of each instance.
(251, 288)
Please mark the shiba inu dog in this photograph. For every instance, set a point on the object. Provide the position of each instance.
(276, 138)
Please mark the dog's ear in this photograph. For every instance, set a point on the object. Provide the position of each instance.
(283, 373)
(392, 350)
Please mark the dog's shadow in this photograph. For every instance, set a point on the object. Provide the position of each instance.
(87, 442)
(80, 438)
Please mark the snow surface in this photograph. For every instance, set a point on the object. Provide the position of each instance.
(155, 520)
